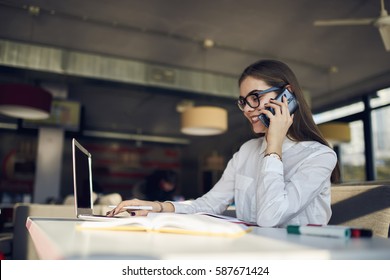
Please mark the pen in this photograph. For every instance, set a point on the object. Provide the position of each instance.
(327, 231)
(135, 207)
(330, 231)
(356, 232)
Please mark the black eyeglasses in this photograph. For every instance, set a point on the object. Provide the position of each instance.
(253, 98)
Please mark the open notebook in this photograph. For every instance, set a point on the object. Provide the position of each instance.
(82, 182)
(196, 224)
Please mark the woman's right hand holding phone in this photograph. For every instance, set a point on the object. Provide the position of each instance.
(280, 122)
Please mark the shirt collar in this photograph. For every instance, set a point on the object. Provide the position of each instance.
(287, 144)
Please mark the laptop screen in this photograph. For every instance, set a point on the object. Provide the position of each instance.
(82, 176)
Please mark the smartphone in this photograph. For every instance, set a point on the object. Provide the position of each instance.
(292, 105)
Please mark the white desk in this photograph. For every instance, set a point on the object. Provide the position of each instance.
(59, 239)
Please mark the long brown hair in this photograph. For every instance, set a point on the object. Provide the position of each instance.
(277, 74)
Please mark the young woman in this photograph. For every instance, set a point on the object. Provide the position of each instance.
(283, 176)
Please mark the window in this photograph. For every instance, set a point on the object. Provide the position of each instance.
(381, 136)
(352, 155)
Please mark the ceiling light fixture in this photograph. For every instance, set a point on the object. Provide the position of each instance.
(208, 43)
(25, 101)
(204, 121)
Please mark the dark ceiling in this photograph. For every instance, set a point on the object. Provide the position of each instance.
(333, 64)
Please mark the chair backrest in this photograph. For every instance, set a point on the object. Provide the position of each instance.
(23, 247)
(365, 206)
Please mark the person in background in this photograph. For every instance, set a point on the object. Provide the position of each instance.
(283, 175)
(160, 185)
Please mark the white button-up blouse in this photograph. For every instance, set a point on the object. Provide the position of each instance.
(269, 192)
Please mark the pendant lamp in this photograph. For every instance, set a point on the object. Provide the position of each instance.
(24, 101)
(204, 120)
(336, 132)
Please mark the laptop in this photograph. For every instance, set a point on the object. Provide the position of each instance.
(82, 182)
